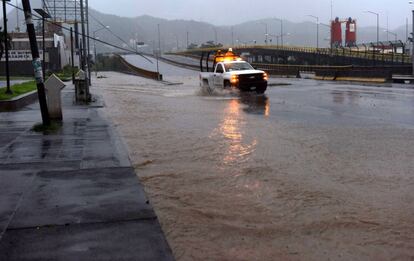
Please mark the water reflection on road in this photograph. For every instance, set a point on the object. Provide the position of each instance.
(231, 128)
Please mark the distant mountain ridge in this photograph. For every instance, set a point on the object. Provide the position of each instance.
(174, 32)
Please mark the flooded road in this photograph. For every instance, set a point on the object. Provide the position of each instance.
(310, 171)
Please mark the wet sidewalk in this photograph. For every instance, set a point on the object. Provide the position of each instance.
(72, 195)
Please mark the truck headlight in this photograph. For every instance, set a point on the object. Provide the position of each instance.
(234, 79)
(265, 77)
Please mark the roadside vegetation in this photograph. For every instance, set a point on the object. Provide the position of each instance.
(66, 74)
(17, 89)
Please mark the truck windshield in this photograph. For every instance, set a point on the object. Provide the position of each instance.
(238, 67)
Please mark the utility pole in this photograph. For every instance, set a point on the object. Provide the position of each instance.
(89, 46)
(158, 52)
(37, 64)
(17, 17)
(188, 43)
(43, 47)
(83, 33)
(72, 55)
(84, 48)
(412, 50)
(6, 49)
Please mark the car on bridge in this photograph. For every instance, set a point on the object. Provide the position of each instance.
(230, 71)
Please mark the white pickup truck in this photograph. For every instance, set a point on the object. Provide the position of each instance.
(234, 73)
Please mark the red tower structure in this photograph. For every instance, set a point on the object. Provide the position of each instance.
(350, 35)
(336, 33)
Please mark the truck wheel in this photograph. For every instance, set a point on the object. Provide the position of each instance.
(227, 85)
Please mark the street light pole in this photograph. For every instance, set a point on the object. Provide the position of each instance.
(158, 52)
(281, 30)
(266, 32)
(394, 34)
(72, 56)
(44, 15)
(317, 30)
(377, 14)
(6, 49)
(215, 35)
(94, 46)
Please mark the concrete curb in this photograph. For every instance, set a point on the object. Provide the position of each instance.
(18, 102)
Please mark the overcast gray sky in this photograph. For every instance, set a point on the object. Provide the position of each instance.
(228, 12)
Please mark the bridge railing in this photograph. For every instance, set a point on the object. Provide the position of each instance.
(369, 54)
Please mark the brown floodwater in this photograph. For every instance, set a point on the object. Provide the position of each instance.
(310, 171)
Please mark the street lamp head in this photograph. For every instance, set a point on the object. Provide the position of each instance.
(371, 12)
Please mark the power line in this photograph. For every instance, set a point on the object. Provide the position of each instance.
(109, 30)
(91, 38)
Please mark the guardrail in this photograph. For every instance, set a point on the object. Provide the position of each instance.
(138, 71)
(397, 69)
(341, 52)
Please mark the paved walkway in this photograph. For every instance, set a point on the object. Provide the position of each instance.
(72, 195)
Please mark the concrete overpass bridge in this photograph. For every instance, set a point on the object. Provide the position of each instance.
(326, 63)
(368, 55)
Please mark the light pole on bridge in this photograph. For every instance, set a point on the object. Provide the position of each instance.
(281, 29)
(266, 32)
(391, 33)
(377, 14)
(317, 30)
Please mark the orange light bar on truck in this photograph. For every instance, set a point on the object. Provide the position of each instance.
(227, 57)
